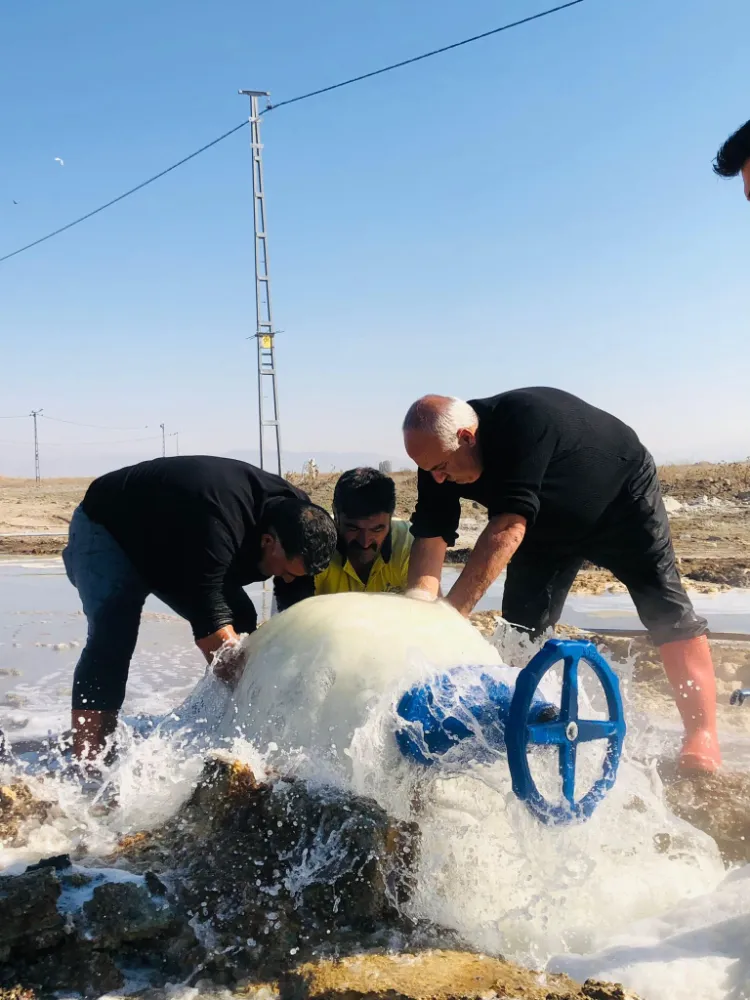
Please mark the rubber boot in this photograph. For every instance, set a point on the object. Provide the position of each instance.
(690, 671)
(90, 732)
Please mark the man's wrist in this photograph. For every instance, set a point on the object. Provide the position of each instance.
(213, 642)
(462, 607)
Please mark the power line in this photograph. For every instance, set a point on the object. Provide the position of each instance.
(17, 416)
(126, 194)
(76, 444)
(98, 427)
(295, 100)
(425, 55)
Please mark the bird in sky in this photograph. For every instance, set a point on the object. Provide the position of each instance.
(58, 160)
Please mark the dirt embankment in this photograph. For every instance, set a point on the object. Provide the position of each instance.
(710, 519)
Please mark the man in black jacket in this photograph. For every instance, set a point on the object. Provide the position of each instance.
(562, 482)
(193, 530)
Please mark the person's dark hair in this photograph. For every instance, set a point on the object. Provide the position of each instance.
(734, 154)
(304, 530)
(363, 493)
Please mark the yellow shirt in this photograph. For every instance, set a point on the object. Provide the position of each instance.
(387, 575)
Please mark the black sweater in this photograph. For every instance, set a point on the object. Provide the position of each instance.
(191, 527)
(548, 456)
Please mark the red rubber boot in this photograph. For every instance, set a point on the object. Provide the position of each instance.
(690, 670)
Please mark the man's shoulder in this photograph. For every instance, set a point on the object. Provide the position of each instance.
(535, 396)
(330, 574)
(401, 536)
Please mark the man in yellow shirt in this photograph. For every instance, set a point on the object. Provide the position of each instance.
(373, 547)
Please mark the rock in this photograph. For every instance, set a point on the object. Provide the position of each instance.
(431, 975)
(14, 700)
(672, 505)
(30, 918)
(718, 804)
(75, 967)
(154, 884)
(58, 862)
(121, 925)
(120, 912)
(19, 808)
(485, 621)
(730, 570)
(271, 867)
(593, 989)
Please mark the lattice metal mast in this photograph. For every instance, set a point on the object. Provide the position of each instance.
(37, 474)
(268, 405)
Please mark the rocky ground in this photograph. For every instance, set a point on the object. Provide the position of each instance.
(225, 895)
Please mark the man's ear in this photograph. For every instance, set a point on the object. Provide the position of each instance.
(467, 434)
(266, 540)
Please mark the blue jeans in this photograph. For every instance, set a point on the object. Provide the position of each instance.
(113, 593)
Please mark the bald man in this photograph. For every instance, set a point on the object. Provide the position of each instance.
(562, 482)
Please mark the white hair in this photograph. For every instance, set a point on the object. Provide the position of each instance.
(443, 416)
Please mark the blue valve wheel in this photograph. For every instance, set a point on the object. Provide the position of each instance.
(566, 732)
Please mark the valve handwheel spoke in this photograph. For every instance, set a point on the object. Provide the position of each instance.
(566, 732)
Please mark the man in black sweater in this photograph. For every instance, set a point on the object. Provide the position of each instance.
(193, 530)
(562, 482)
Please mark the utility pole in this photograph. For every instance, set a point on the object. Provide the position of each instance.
(268, 408)
(177, 442)
(163, 442)
(37, 475)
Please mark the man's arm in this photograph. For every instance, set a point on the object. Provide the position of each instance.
(198, 590)
(434, 525)
(492, 553)
(426, 564)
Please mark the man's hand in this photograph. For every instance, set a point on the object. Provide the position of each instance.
(425, 566)
(229, 665)
(492, 553)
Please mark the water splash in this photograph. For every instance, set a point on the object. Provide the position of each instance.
(318, 700)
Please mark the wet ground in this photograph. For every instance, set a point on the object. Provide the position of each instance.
(726, 611)
(42, 630)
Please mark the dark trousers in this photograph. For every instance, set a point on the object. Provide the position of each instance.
(633, 541)
(113, 594)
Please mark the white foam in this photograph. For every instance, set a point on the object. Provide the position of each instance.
(696, 949)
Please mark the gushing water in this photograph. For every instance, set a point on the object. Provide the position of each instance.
(318, 699)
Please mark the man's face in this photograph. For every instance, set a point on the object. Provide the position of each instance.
(746, 179)
(363, 537)
(275, 562)
(463, 465)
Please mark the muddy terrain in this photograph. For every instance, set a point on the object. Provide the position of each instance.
(709, 509)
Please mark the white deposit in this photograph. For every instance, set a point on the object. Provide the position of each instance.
(634, 895)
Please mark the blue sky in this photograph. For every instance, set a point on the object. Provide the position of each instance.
(536, 208)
